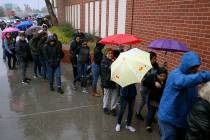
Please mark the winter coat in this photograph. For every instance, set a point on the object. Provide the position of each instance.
(106, 74)
(52, 54)
(22, 50)
(98, 55)
(33, 43)
(155, 93)
(9, 46)
(181, 91)
(41, 44)
(72, 51)
(128, 91)
(199, 121)
(83, 54)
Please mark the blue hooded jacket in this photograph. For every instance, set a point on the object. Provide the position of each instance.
(181, 91)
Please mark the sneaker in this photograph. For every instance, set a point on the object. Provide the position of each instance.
(74, 87)
(60, 91)
(114, 112)
(106, 111)
(35, 77)
(149, 129)
(139, 117)
(24, 82)
(85, 91)
(130, 128)
(117, 128)
(28, 79)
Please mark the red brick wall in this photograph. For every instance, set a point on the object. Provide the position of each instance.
(184, 20)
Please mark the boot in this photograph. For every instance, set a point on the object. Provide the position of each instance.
(94, 93)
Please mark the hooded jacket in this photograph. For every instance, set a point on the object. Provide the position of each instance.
(181, 91)
(33, 43)
(98, 55)
(22, 50)
(52, 54)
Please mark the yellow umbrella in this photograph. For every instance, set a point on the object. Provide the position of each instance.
(130, 67)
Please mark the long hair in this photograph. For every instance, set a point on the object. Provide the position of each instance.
(205, 92)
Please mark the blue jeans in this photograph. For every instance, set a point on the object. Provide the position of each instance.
(171, 132)
(82, 74)
(37, 64)
(150, 114)
(123, 103)
(54, 71)
(96, 73)
(43, 68)
(144, 99)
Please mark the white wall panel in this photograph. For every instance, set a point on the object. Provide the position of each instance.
(78, 11)
(103, 18)
(91, 17)
(111, 17)
(86, 17)
(97, 17)
(75, 16)
(121, 16)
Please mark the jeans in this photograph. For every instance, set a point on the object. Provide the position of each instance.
(150, 114)
(4, 54)
(107, 94)
(123, 103)
(54, 71)
(13, 58)
(82, 74)
(43, 68)
(96, 73)
(37, 64)
(144, 99)
(171, 132)
(24, 67)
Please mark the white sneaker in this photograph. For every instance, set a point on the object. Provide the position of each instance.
(34, 76)
(117, 128)
(130, 128)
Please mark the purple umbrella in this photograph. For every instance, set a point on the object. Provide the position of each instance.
(168, 45)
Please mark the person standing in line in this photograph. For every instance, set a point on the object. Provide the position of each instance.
(156, 84)
(98, 56)
(75, 44)
(23, 51)
(53, 56)
(10, 50)
(127, 96)
(144, 90)
(180, 93)
(198, 119)
(109, 86)
(83, 60)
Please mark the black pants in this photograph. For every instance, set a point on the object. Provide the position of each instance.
(13, 58)
(123, 103)
(150, 114)
(24, 67)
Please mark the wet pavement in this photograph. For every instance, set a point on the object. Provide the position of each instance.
(32, 112)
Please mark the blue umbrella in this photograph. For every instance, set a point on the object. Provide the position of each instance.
(168, 45)
(24, 25)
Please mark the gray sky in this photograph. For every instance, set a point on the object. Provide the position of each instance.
(37, 4)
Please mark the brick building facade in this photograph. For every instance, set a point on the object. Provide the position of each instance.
(185, 20)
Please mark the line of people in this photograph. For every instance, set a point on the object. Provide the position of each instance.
(169, 97)
(46, 52)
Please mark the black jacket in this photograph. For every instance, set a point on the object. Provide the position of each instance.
(98, 55)
(52, 54)
(106, 73)
(22, 50)
(155, 93)
(41, 44)
(83, 54)
(72, 51)
(33, 43)
(199, 121)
